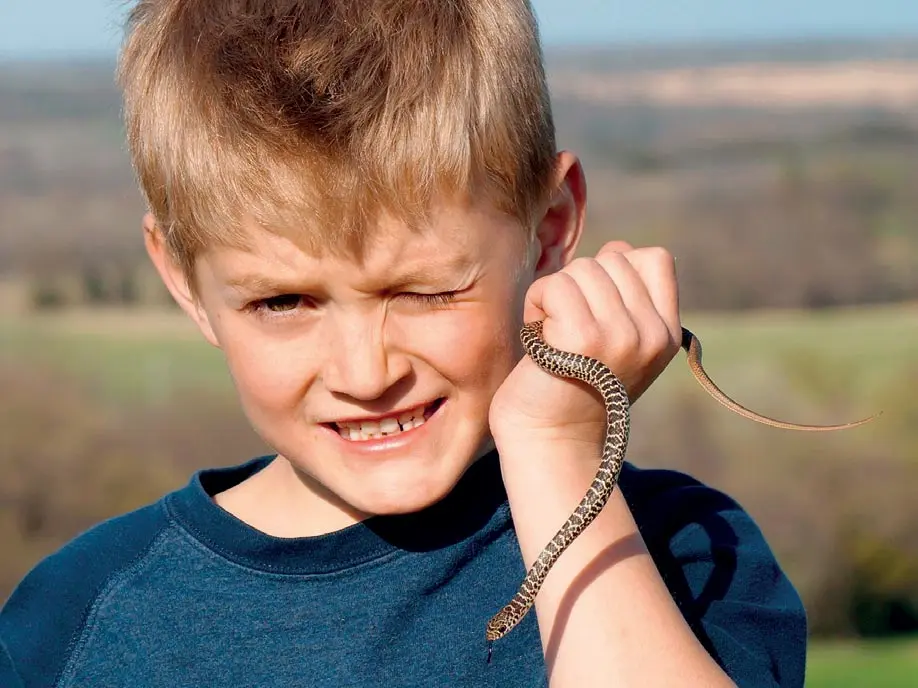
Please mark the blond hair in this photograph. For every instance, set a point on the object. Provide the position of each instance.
(315, 117)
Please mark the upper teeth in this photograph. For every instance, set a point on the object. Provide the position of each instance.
(370, 429)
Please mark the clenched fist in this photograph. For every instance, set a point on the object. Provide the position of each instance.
(622, 308)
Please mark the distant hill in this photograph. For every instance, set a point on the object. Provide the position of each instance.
(729, 150)
(85, 88)
(644, 57)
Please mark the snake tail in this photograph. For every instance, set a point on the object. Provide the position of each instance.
(617, 405)
(692, 346)
(615, 398)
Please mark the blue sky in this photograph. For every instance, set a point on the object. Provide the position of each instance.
(68, 27)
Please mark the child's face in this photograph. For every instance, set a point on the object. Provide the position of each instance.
(315, 345)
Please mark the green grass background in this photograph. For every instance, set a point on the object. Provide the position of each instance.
(873, 664)
(852, 353)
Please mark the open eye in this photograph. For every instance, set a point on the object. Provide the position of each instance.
(285, 302)
(279, 305)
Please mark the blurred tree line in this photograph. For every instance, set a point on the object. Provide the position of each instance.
(785, 208)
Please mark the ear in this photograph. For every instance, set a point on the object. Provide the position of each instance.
(174, 278)
(561, 227)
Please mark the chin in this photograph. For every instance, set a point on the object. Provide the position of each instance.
(403, 494)
(392, 476)
(397, 506)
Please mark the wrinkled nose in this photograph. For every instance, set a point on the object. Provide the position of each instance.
(359, 363)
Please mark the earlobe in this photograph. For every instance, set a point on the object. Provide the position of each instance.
(173, 277)
(561, 227)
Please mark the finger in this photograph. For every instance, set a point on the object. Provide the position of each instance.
(613, 318)
(557, 297)
(615, 247)
(657, 269)
(630, 283)
(653, 332)
(569, 324)
(599, 289)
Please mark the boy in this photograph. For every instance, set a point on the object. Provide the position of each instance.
(360, 203)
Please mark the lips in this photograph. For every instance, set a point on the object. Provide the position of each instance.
(376, 428)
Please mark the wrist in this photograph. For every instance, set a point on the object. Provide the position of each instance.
(521, 441)
(545, 481)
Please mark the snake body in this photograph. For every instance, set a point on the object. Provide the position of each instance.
(618, 423)
(617, 404)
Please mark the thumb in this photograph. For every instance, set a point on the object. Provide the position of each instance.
(533, 306)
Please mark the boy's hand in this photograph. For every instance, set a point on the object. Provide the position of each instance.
(604, 597)
(620, 307)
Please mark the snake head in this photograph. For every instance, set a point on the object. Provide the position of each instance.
(499, 626)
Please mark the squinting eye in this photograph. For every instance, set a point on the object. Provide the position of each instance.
(439, 299)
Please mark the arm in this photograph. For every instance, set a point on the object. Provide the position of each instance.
(9, 677)
(693, 597)
(42, 621)
(39, 622)
(606, 611)
(605, 597)
(724, 577)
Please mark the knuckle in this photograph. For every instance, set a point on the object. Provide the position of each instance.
(549, 284)
(616, 247)
(657, 340)
(626, 339)
(657, 255)
(560, 281)
(580, 265)
(611, 262)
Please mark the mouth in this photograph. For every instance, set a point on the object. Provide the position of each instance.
(387, 426)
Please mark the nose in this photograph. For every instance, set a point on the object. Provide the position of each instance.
(359, 362)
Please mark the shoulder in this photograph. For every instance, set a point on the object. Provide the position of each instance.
(675, 508)
(644, 487)
(8, 672)
(46, 612)
(722, 573)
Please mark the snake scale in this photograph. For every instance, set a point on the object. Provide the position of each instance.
(615, 397)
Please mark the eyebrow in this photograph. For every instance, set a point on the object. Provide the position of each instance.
(257, 283)
(431, 273)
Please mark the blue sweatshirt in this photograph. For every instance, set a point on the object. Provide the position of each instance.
(181, 593)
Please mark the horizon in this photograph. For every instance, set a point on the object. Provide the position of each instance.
(909, 41)
(91, 29)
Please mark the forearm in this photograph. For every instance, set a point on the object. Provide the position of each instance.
(605, 614)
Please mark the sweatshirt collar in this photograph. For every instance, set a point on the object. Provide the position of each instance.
(477, 504)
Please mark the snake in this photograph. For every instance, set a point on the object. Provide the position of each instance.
(615, 397)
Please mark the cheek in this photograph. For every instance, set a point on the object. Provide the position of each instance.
(474, 348)
(268, 375)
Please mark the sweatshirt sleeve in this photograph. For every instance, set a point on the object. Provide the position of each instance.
(726, 580)
(42, 621)
(9, 677)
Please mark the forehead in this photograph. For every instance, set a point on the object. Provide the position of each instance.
(453, 238)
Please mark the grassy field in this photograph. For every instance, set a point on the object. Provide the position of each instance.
(808, 367)
(881, 664)
(821, 367)
(850, 353)
(142, 357)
